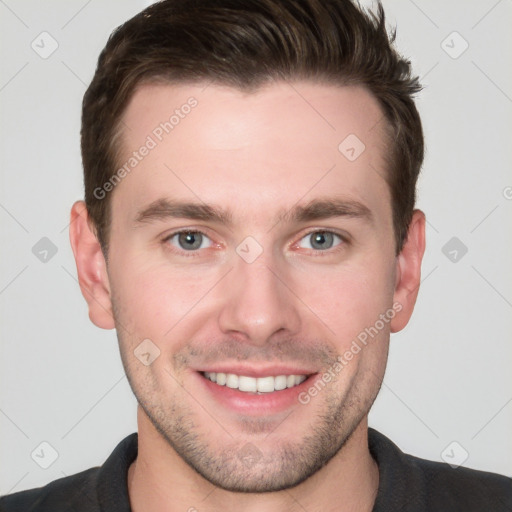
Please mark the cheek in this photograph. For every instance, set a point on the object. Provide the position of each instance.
(151, 298)
(348, 300)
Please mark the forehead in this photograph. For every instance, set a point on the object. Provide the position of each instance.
(269, 148)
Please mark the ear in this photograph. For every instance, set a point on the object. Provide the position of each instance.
(408, 271)
(91, 267)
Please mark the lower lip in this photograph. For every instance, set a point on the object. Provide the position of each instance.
(253, 403)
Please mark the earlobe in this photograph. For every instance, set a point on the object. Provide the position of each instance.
(408, 271)
(91, 267)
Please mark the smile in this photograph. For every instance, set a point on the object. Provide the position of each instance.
(247, 384)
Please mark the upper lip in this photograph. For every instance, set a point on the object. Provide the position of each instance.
(255, 371)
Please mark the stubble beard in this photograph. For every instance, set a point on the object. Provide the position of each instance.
(263, 471)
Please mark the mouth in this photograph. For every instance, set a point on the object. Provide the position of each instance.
(258, 385)
(261, 394)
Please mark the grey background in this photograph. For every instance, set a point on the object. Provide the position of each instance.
(449, 375)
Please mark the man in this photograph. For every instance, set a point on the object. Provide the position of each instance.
(249, 230)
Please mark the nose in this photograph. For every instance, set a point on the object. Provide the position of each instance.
(257, 302)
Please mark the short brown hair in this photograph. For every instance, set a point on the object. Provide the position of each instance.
(245, 44)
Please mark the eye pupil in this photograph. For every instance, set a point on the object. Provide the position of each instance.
(190, 240)
(322, 240)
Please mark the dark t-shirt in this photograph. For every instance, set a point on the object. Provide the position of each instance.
(406, 483)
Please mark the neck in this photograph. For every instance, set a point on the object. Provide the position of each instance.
(159, 480)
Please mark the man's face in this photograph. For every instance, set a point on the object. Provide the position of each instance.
(298, 263)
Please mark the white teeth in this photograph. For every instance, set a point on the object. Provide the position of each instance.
(253, 385)
(231, 380)
(265, 384)
(247, 384)
(280, 382)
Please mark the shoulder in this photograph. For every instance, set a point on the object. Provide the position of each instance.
(75, 493)
(96, 489)
(410, 483)
(462, 488)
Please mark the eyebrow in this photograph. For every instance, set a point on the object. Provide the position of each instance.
(164, 208)
(319, 209)
(316, 209)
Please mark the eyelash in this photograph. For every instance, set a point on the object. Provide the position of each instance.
(345, 241)
(175, 250)
(191, 254)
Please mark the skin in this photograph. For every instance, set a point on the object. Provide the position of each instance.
(255, 154)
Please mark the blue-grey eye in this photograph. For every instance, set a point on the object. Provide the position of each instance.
(190, 240)
(320, 240)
